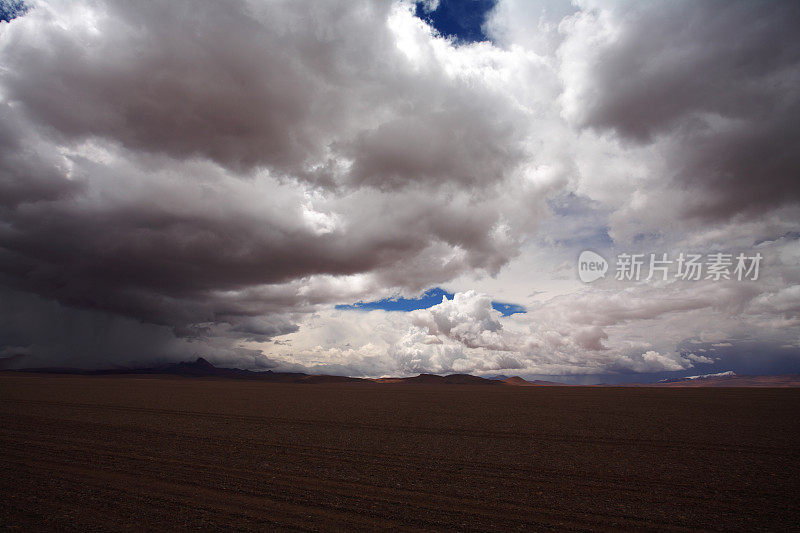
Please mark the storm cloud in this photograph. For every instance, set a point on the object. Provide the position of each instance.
(210, 176)
(705, 82)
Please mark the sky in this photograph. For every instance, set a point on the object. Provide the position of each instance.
(376, 187)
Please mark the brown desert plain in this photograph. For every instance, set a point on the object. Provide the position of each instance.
(122, 452)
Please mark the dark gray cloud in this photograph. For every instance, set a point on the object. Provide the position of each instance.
(442, 145)
(162, 161)
(28, 172)
(244, 85)
(288, 86)
(709, 81)
(38, 332)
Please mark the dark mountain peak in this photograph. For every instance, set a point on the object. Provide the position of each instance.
(198, 365)
(202, 363)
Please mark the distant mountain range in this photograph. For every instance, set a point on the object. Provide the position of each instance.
(202, 368)
(702, 377)
(732, 379)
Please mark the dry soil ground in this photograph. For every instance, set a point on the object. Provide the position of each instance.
(112, 453)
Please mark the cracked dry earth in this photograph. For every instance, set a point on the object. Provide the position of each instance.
(115, 453)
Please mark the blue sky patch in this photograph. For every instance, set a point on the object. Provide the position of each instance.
(461, 19)
(507, 309)
(11, 9)
(430, 298)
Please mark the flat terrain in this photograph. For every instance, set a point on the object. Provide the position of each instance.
(149, 452)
